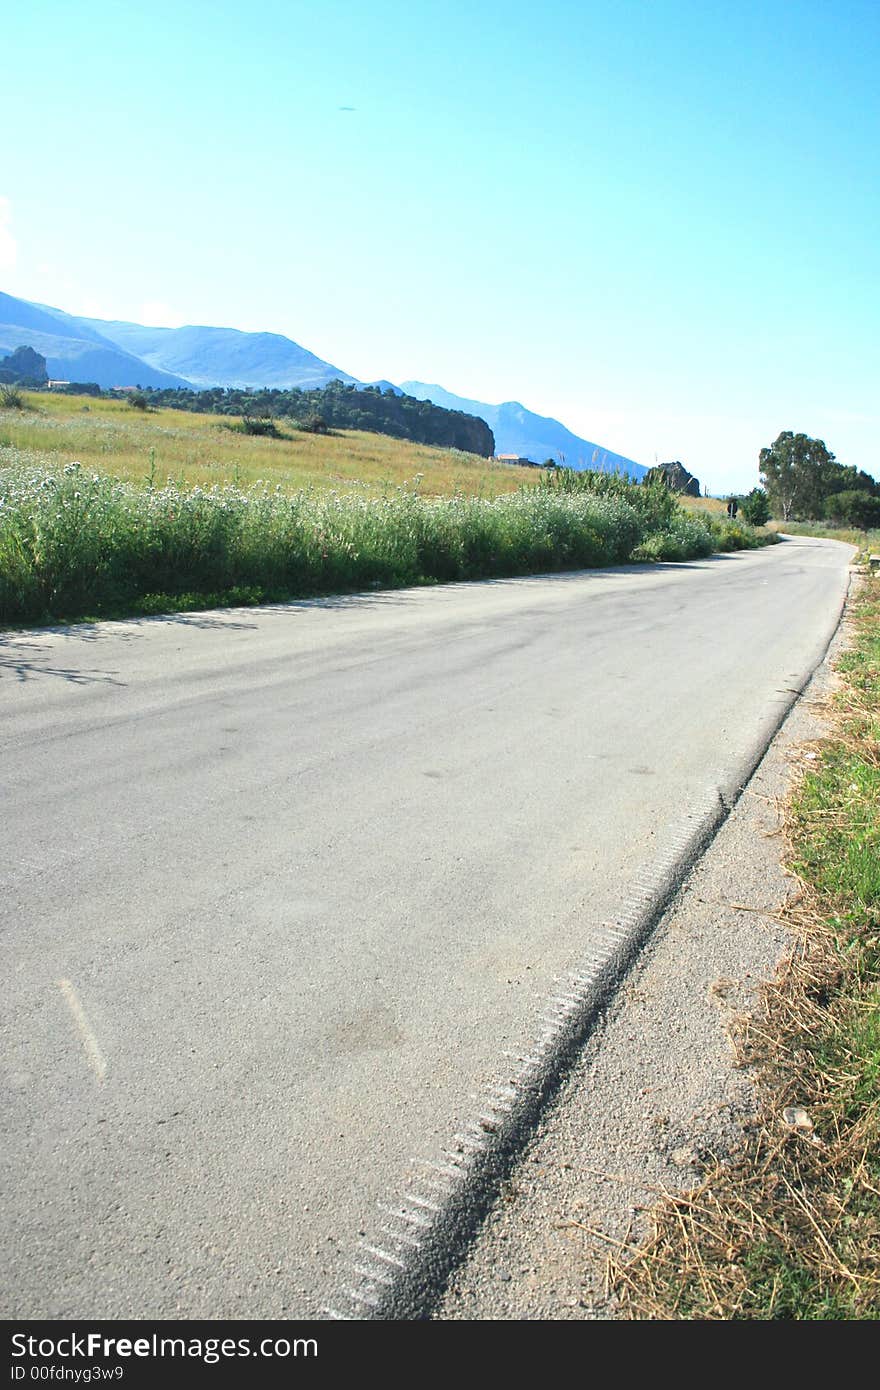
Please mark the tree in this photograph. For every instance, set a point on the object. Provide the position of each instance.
(798, 473)
(853, 508)
(756, 507)
(854, 480)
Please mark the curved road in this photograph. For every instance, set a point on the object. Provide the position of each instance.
(280, 885)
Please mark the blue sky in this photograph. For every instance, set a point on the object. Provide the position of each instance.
(656, 221)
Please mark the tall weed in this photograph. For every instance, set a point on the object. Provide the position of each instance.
(76, 543)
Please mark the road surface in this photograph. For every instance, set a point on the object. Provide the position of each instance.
(280, 885)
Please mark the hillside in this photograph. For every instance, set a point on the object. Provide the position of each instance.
(522, 432)
(342, 406)
(108, 436)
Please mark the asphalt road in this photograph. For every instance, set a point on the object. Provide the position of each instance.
(279, 885)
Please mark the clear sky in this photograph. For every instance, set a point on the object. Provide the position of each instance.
(657, 222)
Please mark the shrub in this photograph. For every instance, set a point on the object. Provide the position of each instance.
(259, 424)
(681, 537)
(661, 546)
(314, 424)
(11, 398)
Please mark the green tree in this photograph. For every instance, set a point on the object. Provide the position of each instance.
(798, 473)
(756, 507)
(853, 508)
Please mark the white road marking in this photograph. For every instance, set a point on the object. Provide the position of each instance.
(93, 1052)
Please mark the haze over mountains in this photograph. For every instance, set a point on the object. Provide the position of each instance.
(117, 354)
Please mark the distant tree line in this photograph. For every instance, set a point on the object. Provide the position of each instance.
(80, 388)
(805, 482)
(340, 406)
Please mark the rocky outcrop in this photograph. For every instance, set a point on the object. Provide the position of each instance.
(676, 477)
(24, 366)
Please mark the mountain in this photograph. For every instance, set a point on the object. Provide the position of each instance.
(73, 349)
(129, 354)
(222, 356)
(522, 432)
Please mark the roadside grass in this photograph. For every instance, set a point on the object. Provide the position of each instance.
(670, 531)
(109, 511)
(790, 1228)
(75, 544)
(867, 542)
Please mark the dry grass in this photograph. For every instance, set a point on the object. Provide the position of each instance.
(713, 505)
(108, 436)
(867, 542)
(790, 1228)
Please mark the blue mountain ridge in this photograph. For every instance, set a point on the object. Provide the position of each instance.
(537, 437)
(223, 356)
(74, 350)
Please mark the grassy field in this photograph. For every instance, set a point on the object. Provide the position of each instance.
(109, 436)
(714, 506)
(791, 1228)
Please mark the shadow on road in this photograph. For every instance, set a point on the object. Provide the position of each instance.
(17, 645)
(23, 660)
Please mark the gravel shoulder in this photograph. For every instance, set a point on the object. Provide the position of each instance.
(657, 1090)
